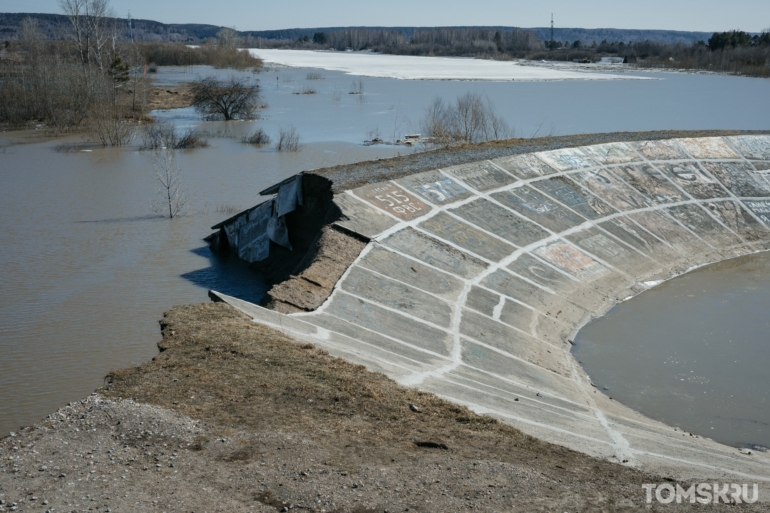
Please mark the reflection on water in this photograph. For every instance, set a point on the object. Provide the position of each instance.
(693, 352)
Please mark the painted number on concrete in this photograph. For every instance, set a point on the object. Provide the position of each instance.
(393, 200)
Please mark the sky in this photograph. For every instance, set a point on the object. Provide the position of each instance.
(690, 15)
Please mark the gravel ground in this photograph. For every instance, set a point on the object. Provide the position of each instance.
(232, 416)
(351, 176)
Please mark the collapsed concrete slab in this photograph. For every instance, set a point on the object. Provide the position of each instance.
(476, 277)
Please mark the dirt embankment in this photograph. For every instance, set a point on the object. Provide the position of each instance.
(233, 416)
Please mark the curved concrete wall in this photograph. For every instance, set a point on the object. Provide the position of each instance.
(477, 276)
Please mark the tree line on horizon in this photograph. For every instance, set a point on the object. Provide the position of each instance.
(733, 51)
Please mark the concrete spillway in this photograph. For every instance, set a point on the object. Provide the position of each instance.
(476, 278)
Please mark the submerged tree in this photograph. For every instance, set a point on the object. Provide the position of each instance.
(234, 98)
(171, 189)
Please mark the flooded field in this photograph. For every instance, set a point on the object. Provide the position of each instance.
(388, 107)
(88, 268)
(692, 352)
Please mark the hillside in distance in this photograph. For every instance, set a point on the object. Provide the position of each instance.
(55, 26)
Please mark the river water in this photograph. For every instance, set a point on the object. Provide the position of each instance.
(88, 269)
(693, 352)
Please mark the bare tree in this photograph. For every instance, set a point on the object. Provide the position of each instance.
(437, 122)
(229, 38)
(171, 189)
(139, 82)
(471, 119)
(89, 20)
(235, 98)
(398, 120)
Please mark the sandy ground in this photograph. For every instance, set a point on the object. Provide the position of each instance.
(233, 416)
(409, 67)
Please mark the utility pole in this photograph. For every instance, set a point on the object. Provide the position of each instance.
(550, 43)
(130, 27)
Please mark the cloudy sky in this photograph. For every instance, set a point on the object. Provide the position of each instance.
(696, 15)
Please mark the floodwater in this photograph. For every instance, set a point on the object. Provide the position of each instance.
(88, 269)
(693, 352)
(388, 107)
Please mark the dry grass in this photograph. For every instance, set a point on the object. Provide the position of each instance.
(306, 90)
(161, 98)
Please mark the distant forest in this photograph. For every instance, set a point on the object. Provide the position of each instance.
(154, 31)
(733, 52)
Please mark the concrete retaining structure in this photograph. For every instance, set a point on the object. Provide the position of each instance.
(476, 278)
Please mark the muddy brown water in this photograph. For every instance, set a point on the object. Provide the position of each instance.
(88, 269)
(693, 352)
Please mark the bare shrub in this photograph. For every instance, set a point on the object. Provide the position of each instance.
(179, 54)
(336, 94)
(357, 87)
(306, 90)
(258, 138)
(191, 139)
(108, 128)
(314, 76)
(288, 140)
(234, 98)
(173, 198)
(158, 135)
(161, 134)
(471, 119)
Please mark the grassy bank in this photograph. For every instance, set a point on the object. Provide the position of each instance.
(178, 54)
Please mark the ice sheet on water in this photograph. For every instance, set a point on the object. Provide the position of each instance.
(423, 68)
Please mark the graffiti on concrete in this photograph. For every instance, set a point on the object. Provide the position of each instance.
(474, 280)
